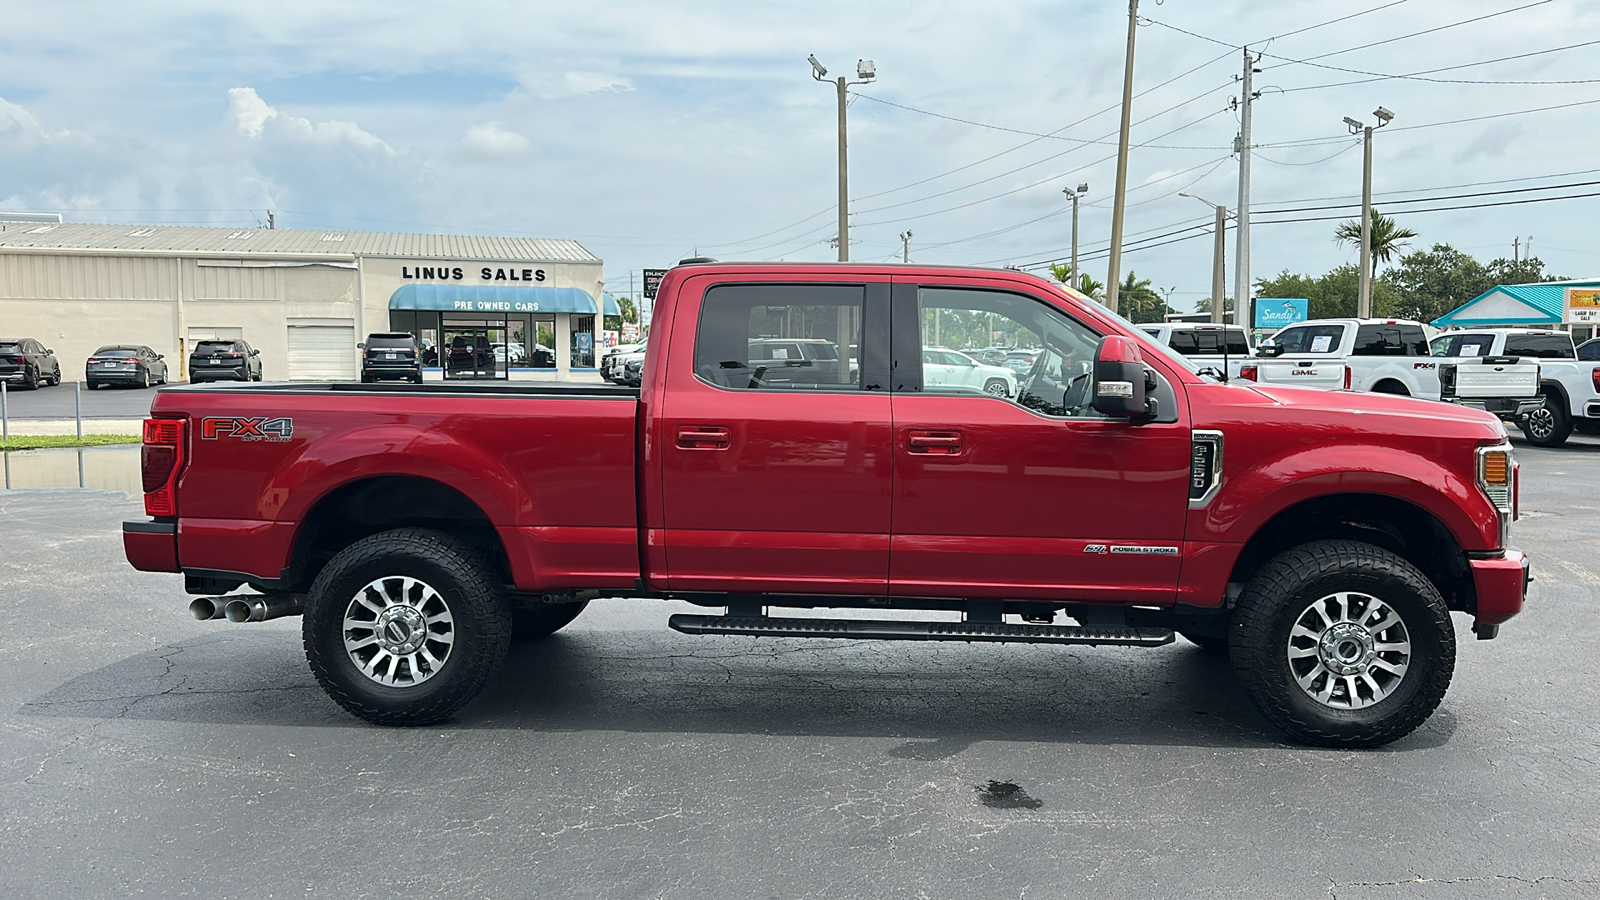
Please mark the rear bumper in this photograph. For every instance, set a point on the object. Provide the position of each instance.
(151, 546)
(1510, 408)
(203, 372)
(1502, 585)
(124, 376)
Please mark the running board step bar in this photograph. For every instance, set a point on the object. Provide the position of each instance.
(861, 629)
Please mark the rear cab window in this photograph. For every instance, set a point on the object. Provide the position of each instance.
(1390, 339)
(1310, 339)
(1542, 346)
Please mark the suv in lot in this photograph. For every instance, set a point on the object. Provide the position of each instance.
(133, 364)
(224, 361)
(391, 354)
(27, 362)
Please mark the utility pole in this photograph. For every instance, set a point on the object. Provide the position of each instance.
(1120, 193)
(1075, 195)
(905, 246)
(1529, 245)
(1218, 252)
(271, 222)
(1516, 242)
(866, 71)
(1243, 308)
(1364, 295)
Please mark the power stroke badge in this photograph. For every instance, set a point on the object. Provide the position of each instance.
(253, 428)
(1130, 550)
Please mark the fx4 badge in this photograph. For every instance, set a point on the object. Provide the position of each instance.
(255, 428)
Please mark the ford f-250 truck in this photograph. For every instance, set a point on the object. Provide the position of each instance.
(1564, 395)
(1119, 497)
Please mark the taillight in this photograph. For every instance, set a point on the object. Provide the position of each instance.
(160, 460)
(1594, 376)
(1347, 374)
(1248, 373)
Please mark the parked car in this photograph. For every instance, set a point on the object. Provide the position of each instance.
(612, 363)
(132, 364)
(945, 369)
(633, 371)
(1020, 361)
(224, 361)
(1224, 349)
(28, 363)
(391, 354)
(1589, 350)
(469, 353)
(1385, 356)
(1323, 540)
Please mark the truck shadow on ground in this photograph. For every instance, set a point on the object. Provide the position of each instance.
(939, 698)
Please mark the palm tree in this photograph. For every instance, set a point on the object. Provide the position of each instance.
(1086, 284)
(1387, 237)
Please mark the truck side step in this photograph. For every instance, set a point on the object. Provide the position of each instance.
(862, 629)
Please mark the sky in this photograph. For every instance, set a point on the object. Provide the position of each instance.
(653, 131)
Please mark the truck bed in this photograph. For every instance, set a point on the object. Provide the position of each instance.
(550, 466)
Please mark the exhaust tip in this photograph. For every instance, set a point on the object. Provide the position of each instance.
(206, 608)
(237, 611)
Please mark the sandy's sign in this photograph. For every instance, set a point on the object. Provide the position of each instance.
(1582, 306)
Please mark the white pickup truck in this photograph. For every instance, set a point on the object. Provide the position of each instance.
(1386, 356)
(1567, 394)
(1222, 348)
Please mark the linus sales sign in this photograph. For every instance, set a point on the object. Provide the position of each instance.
(1276, 312)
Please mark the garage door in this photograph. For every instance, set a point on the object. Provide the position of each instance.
(322, 353)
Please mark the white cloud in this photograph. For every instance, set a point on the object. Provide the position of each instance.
(492, 141)
(251, 115)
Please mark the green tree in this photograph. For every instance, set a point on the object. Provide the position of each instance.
(630, 313)
(1139, 301)
(1204, 305)
(1432, 282)
(1332, 295)
(1086, 285)
(1387, 238)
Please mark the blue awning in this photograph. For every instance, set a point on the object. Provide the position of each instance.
(612, 308)
(493, 298)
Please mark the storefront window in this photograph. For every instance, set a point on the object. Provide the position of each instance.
(583, 342)
(542, 354)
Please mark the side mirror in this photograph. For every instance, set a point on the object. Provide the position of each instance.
(49, 352)
(361, 346)
(159, 356)
(1269, 349)
(255, 352)
(1119, 378)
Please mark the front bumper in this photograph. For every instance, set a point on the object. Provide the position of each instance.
(1501, 584)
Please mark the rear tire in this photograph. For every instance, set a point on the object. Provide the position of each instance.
(406, 626)
(1549, 425)
(30, 379)
(543, 620)
(1343, 644)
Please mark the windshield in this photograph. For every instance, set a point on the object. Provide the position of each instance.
(1146, 343)
(10, 348)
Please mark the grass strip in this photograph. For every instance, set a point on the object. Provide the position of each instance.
(52, 441)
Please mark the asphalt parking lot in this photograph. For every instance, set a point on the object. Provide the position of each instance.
(144, 753)
(58, 402)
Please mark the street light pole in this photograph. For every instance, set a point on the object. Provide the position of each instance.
(1077, 279)
(1364, 292)
(1218, 252)
(905, 246)
(866, 71)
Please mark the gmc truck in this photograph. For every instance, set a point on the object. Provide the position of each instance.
(1117, 497)
(1385, 356)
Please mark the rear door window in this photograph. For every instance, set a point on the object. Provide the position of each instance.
(1543, 346)
(785, 337)
(1310, 339)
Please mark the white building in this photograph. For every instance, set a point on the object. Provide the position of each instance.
(305, 299)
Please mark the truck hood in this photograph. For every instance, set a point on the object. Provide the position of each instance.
(1360, 411)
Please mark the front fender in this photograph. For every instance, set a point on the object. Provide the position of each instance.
(1252, 496)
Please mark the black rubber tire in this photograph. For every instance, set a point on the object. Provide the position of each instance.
(990, 386)
(467, 581)
(543, 620)
(1282, 589)
(1206, 642)
(55, 381)
(144, 379)
(30, 379)
(1552, 432)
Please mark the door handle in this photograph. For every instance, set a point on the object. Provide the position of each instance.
(702, 437)
(935, 443)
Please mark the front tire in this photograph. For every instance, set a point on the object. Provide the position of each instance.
(1549, 425)
(996, 388)
(1343, 644)
(405, 627)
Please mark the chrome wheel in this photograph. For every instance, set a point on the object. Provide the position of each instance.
(398, 631)
(1541, 424)
(1349, 650)
(996, 389)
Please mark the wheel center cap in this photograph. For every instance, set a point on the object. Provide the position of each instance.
(401, 630)
(1346, 649)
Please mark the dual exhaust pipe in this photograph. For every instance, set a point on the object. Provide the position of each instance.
(247, 607)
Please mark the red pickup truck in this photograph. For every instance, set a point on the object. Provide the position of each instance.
(787, 449)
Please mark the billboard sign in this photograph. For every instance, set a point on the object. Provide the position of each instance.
(652, 281)
(1276, 312)
(1582, 306)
